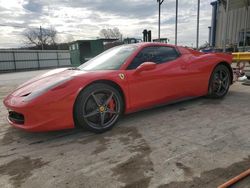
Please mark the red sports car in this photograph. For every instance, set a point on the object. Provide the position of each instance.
(121, 80)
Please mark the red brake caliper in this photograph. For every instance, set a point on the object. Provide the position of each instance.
(111, 106)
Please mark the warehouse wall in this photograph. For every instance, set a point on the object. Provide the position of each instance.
(236, 21)
(14, 60)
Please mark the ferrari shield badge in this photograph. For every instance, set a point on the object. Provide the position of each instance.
(122, 76)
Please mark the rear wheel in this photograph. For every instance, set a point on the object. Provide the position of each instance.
(219, 82)
(98, 107)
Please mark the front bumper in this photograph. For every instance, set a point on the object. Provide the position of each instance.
(40, 115)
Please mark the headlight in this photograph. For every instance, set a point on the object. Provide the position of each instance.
(42, 90)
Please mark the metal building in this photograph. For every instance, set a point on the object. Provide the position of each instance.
(230, 26)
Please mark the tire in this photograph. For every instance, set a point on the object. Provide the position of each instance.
(98, 108)
(219, 82)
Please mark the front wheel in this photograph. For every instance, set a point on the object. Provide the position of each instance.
(98, 107)
(219, 82)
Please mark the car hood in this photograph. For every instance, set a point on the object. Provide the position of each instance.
(46, 80)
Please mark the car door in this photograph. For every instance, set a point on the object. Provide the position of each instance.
(162, 84)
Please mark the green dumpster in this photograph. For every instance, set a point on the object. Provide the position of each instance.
(83, 50)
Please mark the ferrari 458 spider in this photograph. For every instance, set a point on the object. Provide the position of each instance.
(121, 80)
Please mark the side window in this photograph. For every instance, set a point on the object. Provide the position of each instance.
(160, 54)
(165, 54)
(143, 56)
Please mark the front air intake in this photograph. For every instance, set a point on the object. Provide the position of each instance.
(16, 117)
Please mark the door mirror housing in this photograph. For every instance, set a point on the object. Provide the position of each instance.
(146, 66)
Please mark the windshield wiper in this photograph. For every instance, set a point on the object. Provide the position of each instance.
(74, 68)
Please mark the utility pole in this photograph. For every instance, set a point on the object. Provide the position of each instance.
(159, 21)
(198, 25)
(176, 21)
(41, 35)
(225, 28)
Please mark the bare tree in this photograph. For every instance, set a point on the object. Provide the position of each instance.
(110, 33)
(40, 37)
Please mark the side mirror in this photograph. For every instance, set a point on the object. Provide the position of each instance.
(146, 66)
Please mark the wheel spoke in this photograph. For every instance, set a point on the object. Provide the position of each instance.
(109, 99)
(102, 118)
(111, 111)
(221, 75)
(224, 85)
(95, 112)
(95, 99)
(216, 82)
(225, 78)
(219, 88)
(216, 76)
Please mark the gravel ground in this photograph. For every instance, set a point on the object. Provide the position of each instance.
(197, 143)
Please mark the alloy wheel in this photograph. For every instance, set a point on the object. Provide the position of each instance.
(101, 109)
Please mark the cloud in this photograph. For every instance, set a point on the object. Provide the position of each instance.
(123, 8)
(33, 6)
(80, 19)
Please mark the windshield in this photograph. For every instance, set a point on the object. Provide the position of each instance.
(111, 59)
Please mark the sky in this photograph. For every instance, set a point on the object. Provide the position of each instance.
(83, 19)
